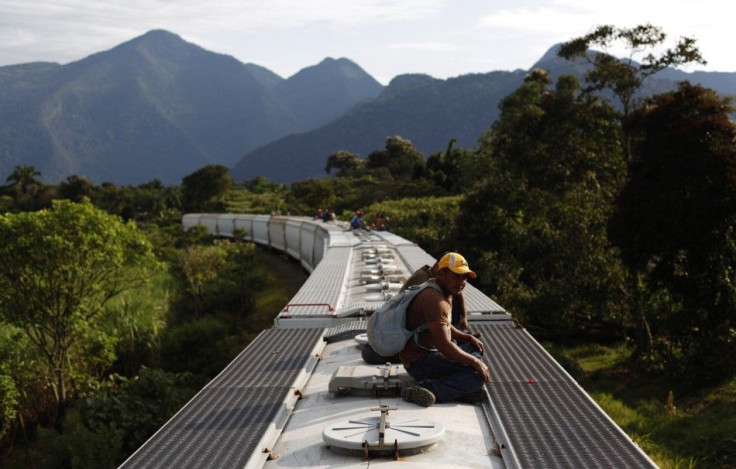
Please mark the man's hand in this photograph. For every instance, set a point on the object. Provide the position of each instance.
(481, 368)
(477, 343)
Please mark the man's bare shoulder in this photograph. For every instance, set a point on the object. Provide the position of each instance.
(433, 294)
(432, 303)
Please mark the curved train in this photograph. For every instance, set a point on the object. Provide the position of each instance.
(301, 395)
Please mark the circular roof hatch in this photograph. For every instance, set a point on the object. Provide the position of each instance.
(377, 436)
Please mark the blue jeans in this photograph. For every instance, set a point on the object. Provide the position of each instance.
(447, 379)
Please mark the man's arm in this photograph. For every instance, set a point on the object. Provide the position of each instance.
(463, 312)
(457, 334)
(442, 337)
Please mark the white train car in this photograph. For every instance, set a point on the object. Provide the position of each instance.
(302, 238)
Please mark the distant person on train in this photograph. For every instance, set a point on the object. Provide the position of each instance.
(379, 223)
(357, 221)
(445, 371)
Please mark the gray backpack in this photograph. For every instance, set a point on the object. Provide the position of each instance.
(386, 328)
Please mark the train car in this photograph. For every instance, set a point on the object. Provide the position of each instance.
(302, 395)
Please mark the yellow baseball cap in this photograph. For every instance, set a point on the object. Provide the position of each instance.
(456, 263)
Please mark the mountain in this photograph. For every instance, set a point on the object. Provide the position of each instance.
(157, 107)
(428, 112)
(323, 92)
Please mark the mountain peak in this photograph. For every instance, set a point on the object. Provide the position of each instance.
(330, 66)
(410, 79)
(551, 54)
(159, 37)
(159, 33)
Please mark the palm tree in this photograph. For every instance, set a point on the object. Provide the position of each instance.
(23, 177)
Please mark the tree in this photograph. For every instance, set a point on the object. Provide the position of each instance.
(58, 270)
(309, 195)
(76, 188)
(346, 163)
(200, 266)
(625, 77)
(402, 160)
(203, 189)
(675, 218)
(535, 224)
(455, 170)
(23, 177)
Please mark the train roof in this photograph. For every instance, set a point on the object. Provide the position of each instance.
(301, 395)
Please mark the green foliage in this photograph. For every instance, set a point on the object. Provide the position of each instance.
(136, 319)
(200, 346)
(204, 189)
(80, 447)
(673, 425)
(150, 201)
(77, 188)
(307, 196)
(537, 220)
(402, 160)
(58, 269)
(23, 178)
(261, 198)
(9, 401)
(455, 170)
(76, 448)
(23, 398)
(346, 163)
(131, 410)
(675, 221)
(222, 277)
(429, 221)
(210, 318)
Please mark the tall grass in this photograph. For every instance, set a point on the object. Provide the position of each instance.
(676, 429)
(137, 318)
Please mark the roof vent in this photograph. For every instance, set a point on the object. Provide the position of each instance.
(377, 436)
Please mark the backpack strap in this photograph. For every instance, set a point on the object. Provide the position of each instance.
(422, 327)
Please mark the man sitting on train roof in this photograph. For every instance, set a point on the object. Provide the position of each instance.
(421, 275)
(445, 370)
(357, 220)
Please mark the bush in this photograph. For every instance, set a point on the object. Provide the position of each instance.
(131, 410)
(201, 346)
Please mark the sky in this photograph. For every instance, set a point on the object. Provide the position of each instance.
(440, 38)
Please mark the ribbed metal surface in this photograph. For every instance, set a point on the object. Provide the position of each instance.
(549, 420)
(322, 290)
(225, 424)
(393, 239)
(476, 301)
(345, 331)
(414, 257)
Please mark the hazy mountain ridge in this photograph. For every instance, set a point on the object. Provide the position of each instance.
(429, 112)
(158, 107)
